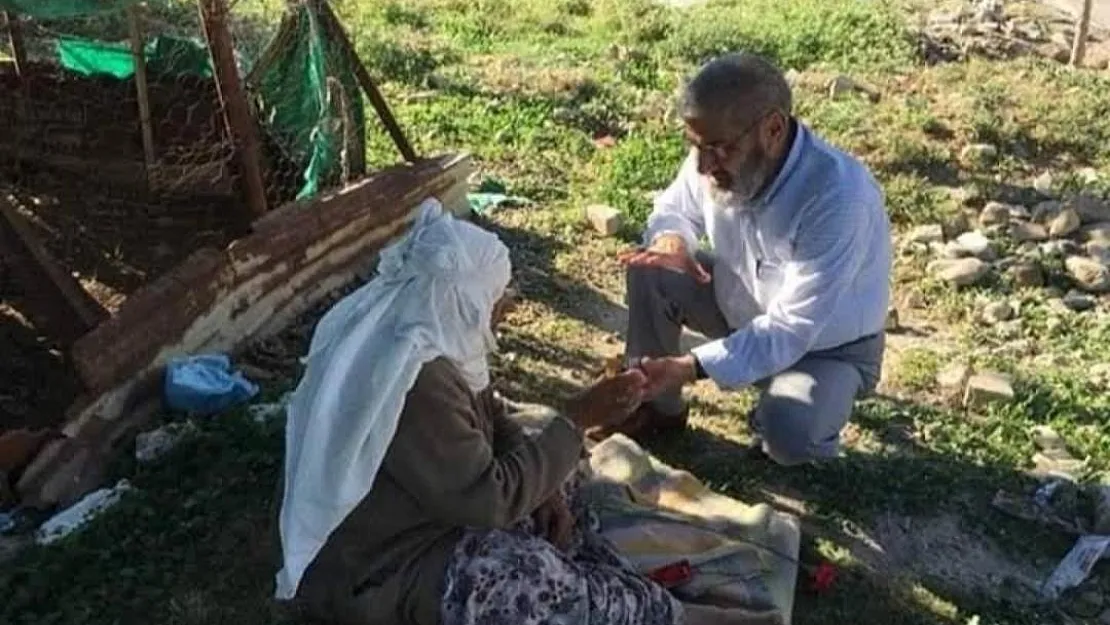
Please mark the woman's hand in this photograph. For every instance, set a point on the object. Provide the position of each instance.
(555, 521)
(609, 401)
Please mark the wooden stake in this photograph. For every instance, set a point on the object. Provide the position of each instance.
(55, 300)
(1082, 26)
(237, 112)
(15, 41)
(336, 30)
(142, 93)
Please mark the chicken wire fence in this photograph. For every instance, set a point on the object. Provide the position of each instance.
(122, 97)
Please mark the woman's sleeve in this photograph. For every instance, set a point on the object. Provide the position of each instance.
(444, 460)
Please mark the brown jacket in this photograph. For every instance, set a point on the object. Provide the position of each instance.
(457, 461)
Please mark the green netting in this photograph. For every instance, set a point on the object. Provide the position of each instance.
(304, 85)
(310, 100)
(57, 9)
(164, 56)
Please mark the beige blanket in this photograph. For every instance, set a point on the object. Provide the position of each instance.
(741, 555)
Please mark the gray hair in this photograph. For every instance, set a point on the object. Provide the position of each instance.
(737, 89)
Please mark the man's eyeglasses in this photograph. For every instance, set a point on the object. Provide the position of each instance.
(721, 150)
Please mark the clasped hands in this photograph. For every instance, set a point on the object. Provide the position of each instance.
(612, 400)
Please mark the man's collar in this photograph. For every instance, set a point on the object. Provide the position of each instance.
(788, 165)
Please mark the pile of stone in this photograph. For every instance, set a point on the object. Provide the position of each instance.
(1025, 244)
(985, 28)
(975, 390)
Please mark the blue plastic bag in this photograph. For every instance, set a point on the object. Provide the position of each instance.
(205, 384)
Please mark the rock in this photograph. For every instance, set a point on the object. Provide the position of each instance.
(1063, 224)
(931, 233)
(155, 443)
(1047, 439)
(1078, 301)
(1030, 31)
(1090, 208)
(1097, 232)
(961, 272)
(1098, 250)
(951, 250)
(1022, 231)
(845, 85)
(792, 76)
(892, 319)
(986, 388)
(997, 312)
(977, 245)
(1027, 275)
(953, 377)
(1061, 248)
(994, 213)
(966, 196)
(1043, 212)
(956, 225)
(979, 154)
(841, 85)
(1017, 211)
(604, 219)
(1028, 250)
(1091, 275)
(1043, 184)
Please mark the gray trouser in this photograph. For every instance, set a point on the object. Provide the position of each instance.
(801, 410)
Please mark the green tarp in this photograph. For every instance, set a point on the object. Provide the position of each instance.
(311, 101)
(164, 56)
(304, 86)
(58, 9)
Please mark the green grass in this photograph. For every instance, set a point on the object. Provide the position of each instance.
(527, 87)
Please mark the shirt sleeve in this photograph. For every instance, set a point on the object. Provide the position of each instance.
(828, 253)
(444, 460)
(678, 209)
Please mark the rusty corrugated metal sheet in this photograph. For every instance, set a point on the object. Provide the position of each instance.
(217, 300)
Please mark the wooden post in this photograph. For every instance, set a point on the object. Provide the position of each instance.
(1082, 26)
(141, 90)
(336, 30)
(55, 300)
(237, 112)
(15, 41)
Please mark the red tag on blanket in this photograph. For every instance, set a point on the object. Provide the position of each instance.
(672, 575)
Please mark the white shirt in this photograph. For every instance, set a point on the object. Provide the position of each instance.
(803, 267)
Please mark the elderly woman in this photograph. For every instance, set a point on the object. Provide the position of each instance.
(410, 496)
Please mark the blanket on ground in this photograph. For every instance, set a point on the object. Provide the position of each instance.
(739, 555)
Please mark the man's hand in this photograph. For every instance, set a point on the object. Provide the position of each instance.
(555, 521)
(664, 374)
(669, 252)
(609, 401)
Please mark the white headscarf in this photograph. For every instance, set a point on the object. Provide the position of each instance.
(433, 296)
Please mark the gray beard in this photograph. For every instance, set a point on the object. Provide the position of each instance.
(739, 195)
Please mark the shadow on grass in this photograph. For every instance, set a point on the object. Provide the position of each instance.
(537, 278)
(842, 501)
(939, 171)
